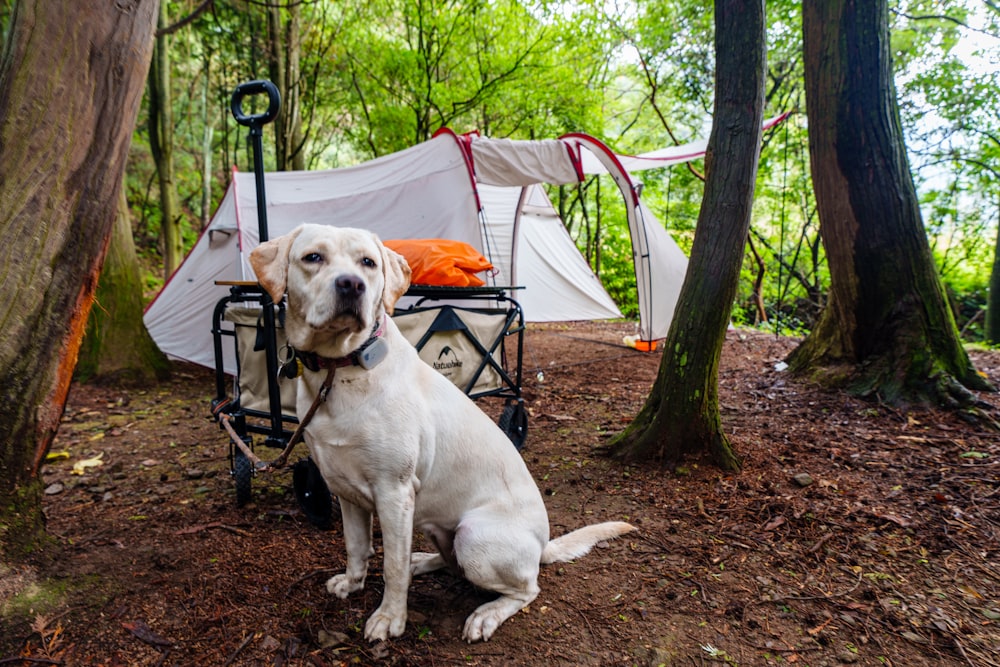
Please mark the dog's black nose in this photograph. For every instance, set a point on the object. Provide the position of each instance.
(349, 286)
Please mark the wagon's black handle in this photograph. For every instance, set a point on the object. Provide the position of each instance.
(257, 87)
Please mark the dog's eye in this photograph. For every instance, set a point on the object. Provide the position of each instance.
(368, 262)
(312, 258)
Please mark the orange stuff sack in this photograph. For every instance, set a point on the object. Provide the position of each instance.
(441, 261)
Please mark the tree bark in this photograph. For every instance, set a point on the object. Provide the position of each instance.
(70, 88)
(887, 329)
(208, 129)
(285, 56)
(681, 416)
(161, 145)
(992, 326)
(116, 346)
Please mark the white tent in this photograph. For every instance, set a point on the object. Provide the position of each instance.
(469, 188)
(426, 191)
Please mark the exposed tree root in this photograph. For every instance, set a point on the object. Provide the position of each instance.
(951, 393)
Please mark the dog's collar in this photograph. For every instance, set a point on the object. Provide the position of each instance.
(315, 362)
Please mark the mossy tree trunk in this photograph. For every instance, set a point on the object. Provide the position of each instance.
(70, 88)
(887, 329)
(681, 416)
(116, 346)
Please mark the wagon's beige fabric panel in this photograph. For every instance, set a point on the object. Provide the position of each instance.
(451, 353)
(252, 389)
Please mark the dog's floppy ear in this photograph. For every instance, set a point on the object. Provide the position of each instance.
(397, 277)
(270, 262)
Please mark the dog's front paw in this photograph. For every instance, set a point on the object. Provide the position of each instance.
(383, 625)
(342, 585)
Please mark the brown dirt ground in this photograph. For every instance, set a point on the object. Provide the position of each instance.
(891, 556)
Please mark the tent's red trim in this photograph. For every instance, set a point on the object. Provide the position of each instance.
(605, 155)
(464, 143)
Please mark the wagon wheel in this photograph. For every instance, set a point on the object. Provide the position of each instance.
(312, 493)
(514, 422)
(242, 473)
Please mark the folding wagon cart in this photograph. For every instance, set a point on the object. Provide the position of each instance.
(472, 335)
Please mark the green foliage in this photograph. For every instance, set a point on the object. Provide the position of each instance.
(670, 98)
(507, 69)
(952, 119)
(380, 76)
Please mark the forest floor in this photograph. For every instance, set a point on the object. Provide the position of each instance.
(855, 534)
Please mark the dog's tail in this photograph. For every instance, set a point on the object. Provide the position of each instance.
(580, 541)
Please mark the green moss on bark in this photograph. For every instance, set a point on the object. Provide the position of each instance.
(22, 522)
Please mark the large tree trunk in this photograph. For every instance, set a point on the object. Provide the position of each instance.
(117, 347)
(681, 416)
(70, 89)
(887, 327)
(161, 145)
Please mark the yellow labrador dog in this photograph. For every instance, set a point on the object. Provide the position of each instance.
(397, 438)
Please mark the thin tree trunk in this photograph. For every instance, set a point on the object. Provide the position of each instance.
(285, 47)
(758, 284)
(681, 416)
(206, 147)
(161, 144)
(70, 88)
(887, 327)
(993, 297)
(294, 106)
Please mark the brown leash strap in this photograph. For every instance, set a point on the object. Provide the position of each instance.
(324, 390)
(262, 466)
(224, 419)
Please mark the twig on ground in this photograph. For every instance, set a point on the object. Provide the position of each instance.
(191, 530)
(829, 596)
(702, 513)
(239, 649)
(819, 543)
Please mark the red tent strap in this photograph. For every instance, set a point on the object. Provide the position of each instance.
(464, 142)
(576, 160)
